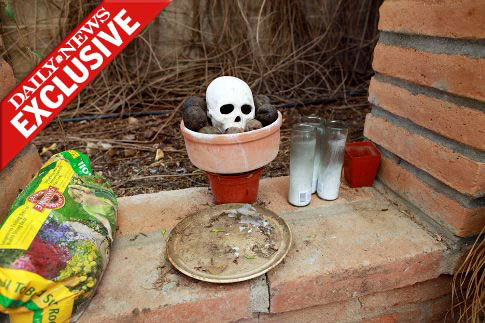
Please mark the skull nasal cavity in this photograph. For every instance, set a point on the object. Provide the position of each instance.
(227, 108)
(238, 119)
(246, 109)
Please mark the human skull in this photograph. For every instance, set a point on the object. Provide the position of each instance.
(230, 103)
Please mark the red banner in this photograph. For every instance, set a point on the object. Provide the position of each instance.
(59, 78)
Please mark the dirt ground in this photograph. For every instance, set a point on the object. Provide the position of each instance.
(125, 150)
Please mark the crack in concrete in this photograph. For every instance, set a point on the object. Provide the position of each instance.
(259, 295)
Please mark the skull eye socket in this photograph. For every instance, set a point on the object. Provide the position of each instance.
(246, 109)
(227, 108)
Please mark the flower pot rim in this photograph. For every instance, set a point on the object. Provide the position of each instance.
(375, 152)
(230, 139)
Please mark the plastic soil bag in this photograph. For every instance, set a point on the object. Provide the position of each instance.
(55, 242)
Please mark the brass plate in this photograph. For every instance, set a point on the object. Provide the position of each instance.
(222, 245)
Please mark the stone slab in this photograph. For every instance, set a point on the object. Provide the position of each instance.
(347, 242)
(140, 285)
(349, 250)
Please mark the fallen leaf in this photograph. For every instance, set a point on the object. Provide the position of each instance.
(47, 149)
(250, 257)
(132, 120)
(111, 152)
(159, 155)
(129, 137)
(312, 236)
(129, 152)
(148, 134)
(105, 146)
(92, 148)
(164, 231)
(218, 230)
(169, 148)
(157, 163)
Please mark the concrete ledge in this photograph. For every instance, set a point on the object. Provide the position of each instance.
(355, 246)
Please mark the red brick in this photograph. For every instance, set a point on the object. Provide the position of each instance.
(7, 79)
(445, 18)
(440, 310)
(461, 75)
(134, 288)
(331, 287)
(417, 293)
(212, 310)
(411, 316)
(346, 311)
(463, 174)
(16, 176)
(390, 305)
(383, 251)
(450, 120)
(464, 222)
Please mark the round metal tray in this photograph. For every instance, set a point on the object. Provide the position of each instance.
(226, 243)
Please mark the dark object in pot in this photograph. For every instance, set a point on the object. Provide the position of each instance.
(194, 101)
(233, 130)
(194, 117)
(266, 114)
(259, 100)
(253, 124)
(209, 130)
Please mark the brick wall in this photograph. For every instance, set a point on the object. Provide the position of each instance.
(20, 171)
(428, 115)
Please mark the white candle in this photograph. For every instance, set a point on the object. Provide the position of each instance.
(303, 142)
(332, 159)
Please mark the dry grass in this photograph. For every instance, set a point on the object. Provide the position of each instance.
(469, 284)
(294, 51)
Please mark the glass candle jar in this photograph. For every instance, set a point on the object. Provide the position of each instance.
(319, 125)
(302, 155)
(332, 159)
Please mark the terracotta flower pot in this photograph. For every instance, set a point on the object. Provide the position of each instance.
(241, 188)
(233, 153)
